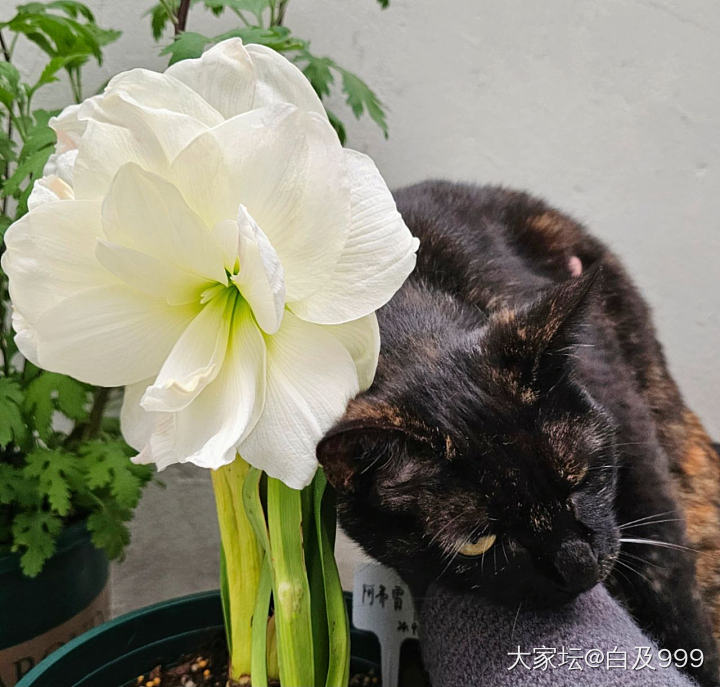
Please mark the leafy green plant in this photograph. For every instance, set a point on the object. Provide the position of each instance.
(261, 21)
(61, 458)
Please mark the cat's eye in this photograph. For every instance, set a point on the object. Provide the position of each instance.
(478, 547)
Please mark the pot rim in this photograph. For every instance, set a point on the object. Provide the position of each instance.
(365, 647)
(60, 654)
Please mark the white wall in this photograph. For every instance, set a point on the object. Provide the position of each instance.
(608, 108)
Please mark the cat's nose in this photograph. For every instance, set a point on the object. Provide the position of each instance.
(576, 566)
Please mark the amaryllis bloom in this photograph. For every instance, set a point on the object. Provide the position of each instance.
(202, 239)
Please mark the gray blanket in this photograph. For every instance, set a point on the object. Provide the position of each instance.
(467, 642)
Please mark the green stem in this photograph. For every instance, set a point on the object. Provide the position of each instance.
(291, 591)
(97, 412)
(271, 3)
(338, 626)
(259, 668)
(5, 50)
(7, 55)
(181, 17)
(282, 7)
(242, 563)
(241, 16)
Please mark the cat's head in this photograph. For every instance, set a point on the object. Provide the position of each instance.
(489, 463)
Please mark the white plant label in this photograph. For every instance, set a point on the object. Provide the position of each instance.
(383, 605)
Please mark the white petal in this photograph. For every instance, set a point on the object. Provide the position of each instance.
(104, 149)
(162, 93)
(146, 213)
(142, 117)
(25, 337)
(62, 165)
(68, 127)
(361, 338)
(50, 256)
(223, 76)
(203, 171)
(171, 129)
(196, 358)
(234, 79)
(110, 335)
(47, 189)
(288, 169)
(310, 379)
(153, 276)
(279, 80)
(135, 423)
(377, 258)
(260, 277)
(208, 430)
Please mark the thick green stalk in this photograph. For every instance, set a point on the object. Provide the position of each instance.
(259, 667)
(291, 591)
(338, 627)
(242, 563)
(253, 489)
(313, 562)
(225, 597)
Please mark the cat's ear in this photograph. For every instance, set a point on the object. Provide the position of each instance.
(368, 434)
(555, 320)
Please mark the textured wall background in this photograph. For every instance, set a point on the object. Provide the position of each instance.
(611, 110)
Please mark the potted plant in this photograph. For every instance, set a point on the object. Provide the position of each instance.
(67, 485)
(177, 639)
(227, 256)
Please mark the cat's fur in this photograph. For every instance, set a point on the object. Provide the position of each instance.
(513, 398)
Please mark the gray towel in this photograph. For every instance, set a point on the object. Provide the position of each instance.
(467, 642)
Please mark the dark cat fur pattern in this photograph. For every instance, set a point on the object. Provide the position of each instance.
(517, 400)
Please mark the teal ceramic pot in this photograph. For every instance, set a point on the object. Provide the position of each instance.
(40, 614)
(119, 650)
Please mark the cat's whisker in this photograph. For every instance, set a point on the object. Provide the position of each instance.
(655, 542)
(479, 530)
(517, 614)
(562, 379)
(647, 517)
(640, 559)
(374, 462)
(632, 569)
(648, 523)
(449, 563)
(444, 527)
(617, 571)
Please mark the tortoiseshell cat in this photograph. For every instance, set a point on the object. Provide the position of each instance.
(523, 431)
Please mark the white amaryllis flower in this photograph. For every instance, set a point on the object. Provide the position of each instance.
(201, 238)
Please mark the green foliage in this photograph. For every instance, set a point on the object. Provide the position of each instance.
(66, 32)
(12, 425)
(48, 393)
(48, 487)
(61, 460)
(361, 99)
(34, 534)
(189, 44)
(109, 468)
(262, 22)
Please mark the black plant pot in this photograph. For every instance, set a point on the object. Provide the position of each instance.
(118, 651)
(40, 614)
